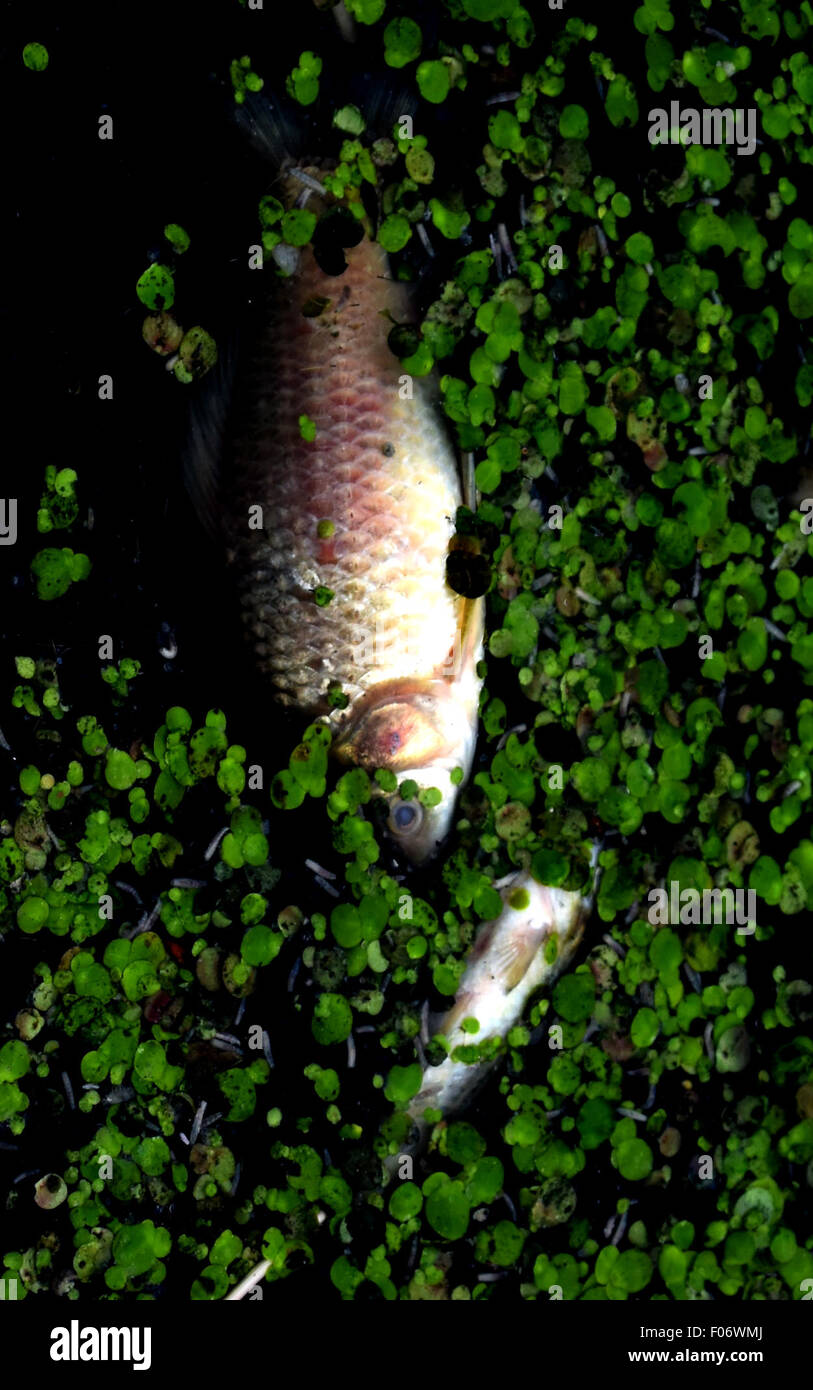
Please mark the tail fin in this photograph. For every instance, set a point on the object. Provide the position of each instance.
(284, 132)
(272, 128)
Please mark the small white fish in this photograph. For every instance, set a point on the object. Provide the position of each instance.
(534, 938)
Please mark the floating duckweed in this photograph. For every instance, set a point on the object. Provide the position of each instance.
(120, 769)
(403, 1083)
(50, 1191)
(244, 79)
(393, 234)
(405, 1202)
(332, 1019)
(633, 1158)
(349, 119)
(177, 237)
(297, 226)
(59, 506)
(35, 57)
(156, 287)
(574, 996)
(402, 42)
(573, 123)
(56, 570)
(448, 1209)
(32, 914)
(198, 353)
(433, 80)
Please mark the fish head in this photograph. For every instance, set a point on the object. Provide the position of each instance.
(421, 731)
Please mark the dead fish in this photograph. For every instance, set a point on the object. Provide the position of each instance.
(339, 542)
(522, 950)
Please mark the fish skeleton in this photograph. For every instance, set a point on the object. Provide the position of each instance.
(526, 947)
(364, 511)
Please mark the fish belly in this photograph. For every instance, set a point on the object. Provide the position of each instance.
(380, 470)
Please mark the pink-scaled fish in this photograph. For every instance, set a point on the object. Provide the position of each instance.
(339, 541)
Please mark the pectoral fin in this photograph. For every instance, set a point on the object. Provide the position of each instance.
(514, 955)
(468, 642)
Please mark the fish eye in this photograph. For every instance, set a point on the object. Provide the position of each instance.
(406, 817)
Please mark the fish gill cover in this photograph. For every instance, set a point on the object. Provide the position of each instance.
(214, 967)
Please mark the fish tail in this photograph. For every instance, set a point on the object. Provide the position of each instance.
(284, 133)
(273, 128)
(301, 147)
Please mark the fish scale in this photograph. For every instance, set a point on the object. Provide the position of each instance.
(380, 468)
